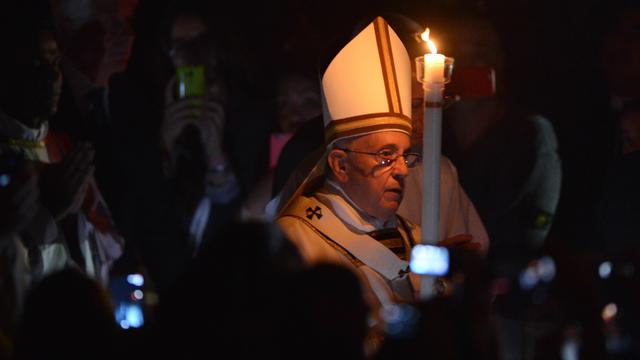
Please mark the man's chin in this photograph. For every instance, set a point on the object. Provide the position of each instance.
(390, 207)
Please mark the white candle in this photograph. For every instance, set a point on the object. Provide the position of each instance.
(431, 143)
(433, 84)
(433, 64)
(434, 68)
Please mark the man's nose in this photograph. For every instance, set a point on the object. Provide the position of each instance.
(400, 168)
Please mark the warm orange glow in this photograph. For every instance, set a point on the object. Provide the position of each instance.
(430, 44)
(425, 35)
(432, 47)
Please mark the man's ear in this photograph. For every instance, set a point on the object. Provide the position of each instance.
(337, 162)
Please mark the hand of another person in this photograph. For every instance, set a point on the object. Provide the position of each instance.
(63, 185)
(211, 127)
(461, 241)
(204, 114)
(18, 202)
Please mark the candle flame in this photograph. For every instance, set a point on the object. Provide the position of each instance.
(432, 47)
(425, 35)
(430, 44)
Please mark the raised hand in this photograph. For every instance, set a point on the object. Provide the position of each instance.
(462, 241)
(205, 114)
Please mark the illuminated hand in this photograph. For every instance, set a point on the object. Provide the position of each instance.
(205, 114)
(461, 241)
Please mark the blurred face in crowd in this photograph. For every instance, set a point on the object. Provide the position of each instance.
(97, 36)
(298, 100)
(191, 45)
(49, 59)
(35, 82)
(118, 40)
(186, 30)
(375, 188)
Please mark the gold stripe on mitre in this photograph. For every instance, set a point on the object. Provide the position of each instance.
(387, 63)
(366, 124)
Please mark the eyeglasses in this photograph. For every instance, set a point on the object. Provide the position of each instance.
(387, 157)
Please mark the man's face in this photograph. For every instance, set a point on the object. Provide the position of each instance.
(376, 189)
(101, 46)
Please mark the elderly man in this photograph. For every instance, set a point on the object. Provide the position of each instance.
(345, 210)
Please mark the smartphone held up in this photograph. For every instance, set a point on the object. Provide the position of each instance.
(190, 81)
